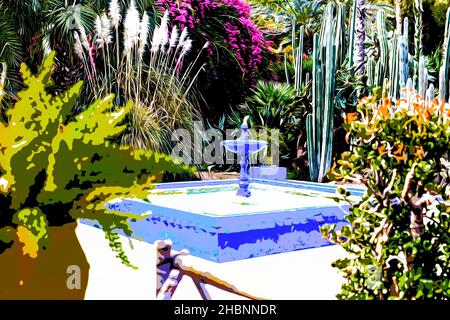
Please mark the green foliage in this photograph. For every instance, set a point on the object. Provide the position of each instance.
(34, 220)
(10, 45)
(350, 87)
(271, 105)
(54, 168)
(278, 18)
(398, 240)
(65, 17)
(152, 76)
(277, 106)
(434, 63)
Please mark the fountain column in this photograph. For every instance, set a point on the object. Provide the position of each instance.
(244, 147)
(244, 176)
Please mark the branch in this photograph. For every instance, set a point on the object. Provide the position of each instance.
(408, 181)
(387, 191)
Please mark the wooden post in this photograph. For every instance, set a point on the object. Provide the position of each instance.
(163, 262)
(170, 269)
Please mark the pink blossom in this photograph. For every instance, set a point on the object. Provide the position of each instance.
(241, 35)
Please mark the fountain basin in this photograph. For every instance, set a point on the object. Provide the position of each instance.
(209, 220)
(244, 146)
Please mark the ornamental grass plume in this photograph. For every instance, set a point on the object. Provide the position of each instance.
(143, 34)
(78, 47)
(146, 72)
(156, 39)
(164, 29)
(114, 13)
(183, 36)
(116, 18)
(83, 36)
(2, 80)
(131, 27)
(105, 34)
(173, 37)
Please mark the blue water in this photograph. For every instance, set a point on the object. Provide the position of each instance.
(238, 236)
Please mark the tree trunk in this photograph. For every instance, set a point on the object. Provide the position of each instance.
(360, 37)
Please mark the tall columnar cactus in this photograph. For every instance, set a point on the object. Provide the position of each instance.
(382, 67)
(445, 69)
(399, 65)
(429, 96)
(418, 9)
(297, 53)
(442, 84)
(360, 37)
(393, 66)
(372, 71)
(403, 55)
(340, 35)
(298, 62)
(319, 124)
(422, 77)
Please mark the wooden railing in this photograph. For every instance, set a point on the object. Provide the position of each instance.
(171, 268)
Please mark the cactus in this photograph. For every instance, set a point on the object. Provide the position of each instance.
(393, 61)
(360, 37)
(319, 124)
(297, 53)
(340, 35)
(286, 72)
(371, 73)
(294, 24)
(429, 96)
(422, 80)
(442, 84)
(383, 62)
(393, 67)
(445, 69)
(418, 9)
(399, 64)
(403, 55)
(298, 62)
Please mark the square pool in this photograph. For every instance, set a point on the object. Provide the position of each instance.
(209, 220)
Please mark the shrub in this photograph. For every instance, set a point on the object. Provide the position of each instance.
(54, 168)
(147, 70)
(398, 239)
(273, 105)
(237, 45)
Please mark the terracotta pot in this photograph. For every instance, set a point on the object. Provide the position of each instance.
(60, 271)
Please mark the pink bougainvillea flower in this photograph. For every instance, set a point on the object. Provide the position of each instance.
(242, 37)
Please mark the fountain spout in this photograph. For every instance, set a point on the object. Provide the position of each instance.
(244, 147)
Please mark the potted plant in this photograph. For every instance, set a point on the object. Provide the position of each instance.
(54, 169)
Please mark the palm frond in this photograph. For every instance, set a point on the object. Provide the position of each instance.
(66, 17)
(10, 44)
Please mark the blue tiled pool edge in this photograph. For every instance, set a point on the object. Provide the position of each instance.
(237, 237)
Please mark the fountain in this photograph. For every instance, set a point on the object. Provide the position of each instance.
(226, 220)
(244, 147)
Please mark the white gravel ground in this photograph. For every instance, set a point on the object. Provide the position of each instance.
(299, 275)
